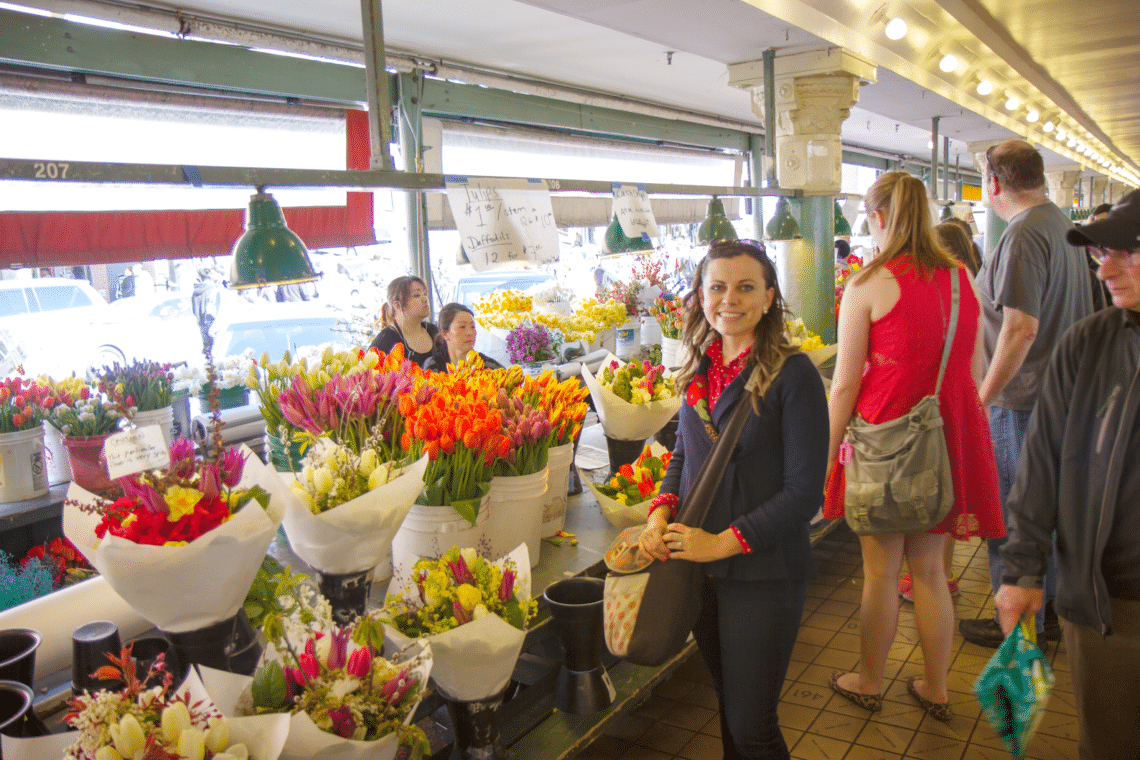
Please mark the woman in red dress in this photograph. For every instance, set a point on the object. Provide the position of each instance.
(892, 327)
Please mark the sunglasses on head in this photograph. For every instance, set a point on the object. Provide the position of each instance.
(752, 247)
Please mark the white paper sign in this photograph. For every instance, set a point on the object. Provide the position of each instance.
(136, 450)
(503, 222)
(635, 215)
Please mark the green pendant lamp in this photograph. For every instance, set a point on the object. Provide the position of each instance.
(783, 225)
(842, 226)
(716, 225)
(268, 252)
(617, 242)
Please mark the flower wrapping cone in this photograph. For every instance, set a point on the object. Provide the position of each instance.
(625, 421)
(357, 535)
(305, 741)
(620, 515)
(474, 660)
(184, 588)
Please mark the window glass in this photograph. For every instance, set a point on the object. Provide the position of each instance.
(12, 302)
(54, 297)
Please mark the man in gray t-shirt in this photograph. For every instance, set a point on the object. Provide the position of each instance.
(1033, 287)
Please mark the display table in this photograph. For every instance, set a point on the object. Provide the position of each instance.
(529, 724)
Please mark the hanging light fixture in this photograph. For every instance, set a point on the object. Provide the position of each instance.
(268, 252)
(617, 242)
(947, 214)
(716, 225)
(842, 226)
(783, 225)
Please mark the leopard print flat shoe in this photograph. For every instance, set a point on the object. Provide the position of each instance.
(940, 711)
(870, 702)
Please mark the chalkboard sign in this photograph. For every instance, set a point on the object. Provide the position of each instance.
(503, 222)
(635, 215)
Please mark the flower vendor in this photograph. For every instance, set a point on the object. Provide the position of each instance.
(456, 339)
(403, 319)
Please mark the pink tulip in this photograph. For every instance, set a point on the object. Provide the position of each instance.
(461, 615)
(233, 463)
(460, 572)
(342, 723)
(359, 663)
(507, 586)
(338, 650)
(310, 665)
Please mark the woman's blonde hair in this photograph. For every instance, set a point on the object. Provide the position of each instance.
(902, 200)
(399, 290)
(770, 346)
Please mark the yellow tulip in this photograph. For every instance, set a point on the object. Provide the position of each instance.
(175, 720)
(192, 744)
(127, 736)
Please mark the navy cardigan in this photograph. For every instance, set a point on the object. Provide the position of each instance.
(773, 484)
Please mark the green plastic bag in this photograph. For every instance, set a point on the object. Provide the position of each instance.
(1014, 687)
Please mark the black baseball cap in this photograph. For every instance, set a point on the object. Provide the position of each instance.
(1119, 230)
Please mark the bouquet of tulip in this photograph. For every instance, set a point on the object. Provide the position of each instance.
(528, 429)
(339, 697)
(23, 404)
(531, 343)
(196, 518)
(140, 386)
(811, 344)
(564, 404)
(670, 316)
(155, 722)
(624, 499)
(473, 612)
(84, 413)
(462, 436)
(634, 400)
(316, 366)
(359, 479)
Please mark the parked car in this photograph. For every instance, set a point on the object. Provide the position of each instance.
(276, 328)
(48, 325)
(472, 287)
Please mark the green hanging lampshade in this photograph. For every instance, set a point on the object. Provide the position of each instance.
(617, 242)
(716, 225)
(842, 226)
(783, 225)
(268, 252)
(947, 214)
(865, 229)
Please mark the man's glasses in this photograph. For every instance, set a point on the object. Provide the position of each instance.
(753, 247)
(1119, 257)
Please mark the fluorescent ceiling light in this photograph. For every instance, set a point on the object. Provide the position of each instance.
(896, 29)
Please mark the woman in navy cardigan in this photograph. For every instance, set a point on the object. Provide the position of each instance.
(754, 542)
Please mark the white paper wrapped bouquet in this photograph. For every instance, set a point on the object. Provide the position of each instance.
(633, 399)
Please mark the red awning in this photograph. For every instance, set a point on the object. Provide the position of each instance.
(61, 238)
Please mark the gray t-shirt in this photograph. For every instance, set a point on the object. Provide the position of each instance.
(1034, 269)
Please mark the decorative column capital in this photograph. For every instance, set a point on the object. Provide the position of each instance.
(1062, 181)
(978, 151)
(1099, 185)
(813, 96)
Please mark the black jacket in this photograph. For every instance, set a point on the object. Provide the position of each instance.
(1069, 474)
(773, 484)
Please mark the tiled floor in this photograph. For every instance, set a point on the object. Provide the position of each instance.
(679, 721)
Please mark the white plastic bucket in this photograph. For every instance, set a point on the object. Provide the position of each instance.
(608, 339)
(23, 466)
(628, 338)
(430, 531)
(558, 474)
(163, 417)
(670, 351)
(516, 513)
(650, 331)
(58, 468)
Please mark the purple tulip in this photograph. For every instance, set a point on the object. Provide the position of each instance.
(460, 572)
(342, 723)
(507, 586)
(338, 649)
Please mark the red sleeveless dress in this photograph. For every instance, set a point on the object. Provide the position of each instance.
(904, 349)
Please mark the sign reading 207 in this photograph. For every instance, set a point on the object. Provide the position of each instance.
(503, 222)
(50, 170)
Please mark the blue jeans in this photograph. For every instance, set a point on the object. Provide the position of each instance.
(745, 633)
(1008, 429)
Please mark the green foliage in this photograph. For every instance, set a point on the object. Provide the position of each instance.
(272, 583)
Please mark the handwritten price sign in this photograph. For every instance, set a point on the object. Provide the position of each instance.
(503, 222)
(635, 215)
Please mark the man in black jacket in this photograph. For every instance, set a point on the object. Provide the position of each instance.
(1079, 475)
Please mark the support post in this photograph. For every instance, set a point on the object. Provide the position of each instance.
(945, 168)
(932, 178)
(376, 79)
(770, 117)
(757, 151)
(409, 107)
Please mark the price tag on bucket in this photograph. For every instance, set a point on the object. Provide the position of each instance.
(136, 450)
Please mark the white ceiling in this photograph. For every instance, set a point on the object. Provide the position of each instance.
(1083, 57)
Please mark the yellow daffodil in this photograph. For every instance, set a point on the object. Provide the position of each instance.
(181, 501)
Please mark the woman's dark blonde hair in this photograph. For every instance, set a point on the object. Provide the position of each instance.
(399, 290)
(951, 237)
(770, 346)
(902, 200)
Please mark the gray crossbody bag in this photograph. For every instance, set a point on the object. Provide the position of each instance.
(898, 474)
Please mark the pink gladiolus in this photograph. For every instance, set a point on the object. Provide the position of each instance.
(338, 649)
(342, 723)
(507, 586)
(359, 663)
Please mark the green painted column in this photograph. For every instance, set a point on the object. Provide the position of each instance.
(817, 269)
(409, 106)
(995, 225)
